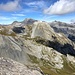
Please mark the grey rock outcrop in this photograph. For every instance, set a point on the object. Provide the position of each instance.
(11, 67)
(10, 48)
(40, 51)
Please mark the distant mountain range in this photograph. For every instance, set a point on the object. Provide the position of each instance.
(67, 29)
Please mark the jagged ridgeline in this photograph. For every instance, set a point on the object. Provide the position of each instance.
(32, 47)
(67, 29)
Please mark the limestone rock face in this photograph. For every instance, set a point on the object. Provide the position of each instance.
(11, 67)
(37, 51)
(10, 48)
(43, 30)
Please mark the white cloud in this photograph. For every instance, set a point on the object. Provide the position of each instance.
(61, 7)
(37, 4)
(18, 15)
(10, 6)
(4, 18)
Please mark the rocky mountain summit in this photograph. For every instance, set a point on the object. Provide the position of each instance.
(34, 48)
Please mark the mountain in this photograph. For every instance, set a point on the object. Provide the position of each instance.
(67, 29)
(34, 48)
(27, 21)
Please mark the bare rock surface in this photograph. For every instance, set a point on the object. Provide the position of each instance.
(11, 67)
(39, 50)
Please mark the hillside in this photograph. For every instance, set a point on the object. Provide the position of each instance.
(32, 47)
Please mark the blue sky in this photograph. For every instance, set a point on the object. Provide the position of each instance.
(45, 10)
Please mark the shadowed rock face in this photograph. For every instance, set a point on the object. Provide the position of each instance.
(18, 29)
(63, 49)
(72, 37)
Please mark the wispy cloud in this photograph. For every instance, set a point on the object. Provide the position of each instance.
(61, 7)
(18, 15)
(4, 18)
(10, 6)
(36, 4)
(48, 18)
(7, 20)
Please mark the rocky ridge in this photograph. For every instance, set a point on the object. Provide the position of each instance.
(39, 49)
(67, 29)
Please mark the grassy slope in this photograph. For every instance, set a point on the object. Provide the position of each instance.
(47, 68)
